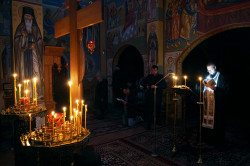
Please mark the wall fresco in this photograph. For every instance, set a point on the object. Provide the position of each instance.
(126, 20)
(180, 23)
(27, 21)
(170, 60)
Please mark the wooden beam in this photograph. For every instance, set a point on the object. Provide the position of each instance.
(87, 16)
(62, 27)
(90, 15)
(74, 52)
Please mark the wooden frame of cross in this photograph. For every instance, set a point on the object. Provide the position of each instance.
(73, 24)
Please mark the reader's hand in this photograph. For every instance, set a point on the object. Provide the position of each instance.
(205, 83)
(212, 87)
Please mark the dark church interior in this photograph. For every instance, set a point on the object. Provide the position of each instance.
(120, 115)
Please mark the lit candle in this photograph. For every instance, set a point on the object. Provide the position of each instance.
(34, 92)
(26, 92)
(64, 114)
(24, 89)
(176, 78)
(81, 111)
(71, 118)
(19, 89)
(86, 117)
(14, 75)
(74, 115)
(80, 121)
(173, 79)
(185, 78)
(70, 99)
(82, 105)
(30, 123)
(200, 78)
(53, 113)
(76, 126)
(28, 87)
(77, 104)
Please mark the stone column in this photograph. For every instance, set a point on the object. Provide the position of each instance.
(52, 56)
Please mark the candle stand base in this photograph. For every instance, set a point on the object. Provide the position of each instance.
(199, 160)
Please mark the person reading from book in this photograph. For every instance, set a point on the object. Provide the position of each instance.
(129, 103)
(214, 98)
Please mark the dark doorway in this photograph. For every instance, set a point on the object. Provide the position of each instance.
(131, 65)
(229, 50)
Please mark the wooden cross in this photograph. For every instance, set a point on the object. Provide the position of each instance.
(73, 24)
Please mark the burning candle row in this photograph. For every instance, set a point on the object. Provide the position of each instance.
(57, 130)
(175, 78)
(57, 119)
(25, 97)
(77, 107)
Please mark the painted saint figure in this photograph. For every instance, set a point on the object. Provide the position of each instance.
(153, 47)
(188, 19)
(28, 49)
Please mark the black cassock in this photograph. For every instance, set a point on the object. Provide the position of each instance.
(149, 96)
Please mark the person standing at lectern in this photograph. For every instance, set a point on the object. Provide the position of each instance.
(214, 98)
(149, 83)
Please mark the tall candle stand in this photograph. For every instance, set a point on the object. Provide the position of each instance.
(175, 99)
(200, 103)
(154, 154)
(200, 158)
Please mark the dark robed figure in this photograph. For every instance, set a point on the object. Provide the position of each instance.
(28, 49)
(149, 83)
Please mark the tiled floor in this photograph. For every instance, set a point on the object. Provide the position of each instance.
(109, 131)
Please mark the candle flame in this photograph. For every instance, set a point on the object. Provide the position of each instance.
(82, 102)
(29, 115)
(70, 83)
(64, 108)
(77, 101)
(71, 117)
(52, 113)
(200, 78)
(24, 81)
(34, 79)
(26, 91)
(28, 81)
(14, 75)
(185, 77)
(19, 85)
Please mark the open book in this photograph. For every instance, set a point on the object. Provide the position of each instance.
(120, 100)
(210, 83)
